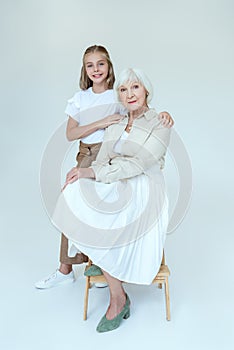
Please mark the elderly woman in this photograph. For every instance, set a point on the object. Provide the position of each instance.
(116, 211)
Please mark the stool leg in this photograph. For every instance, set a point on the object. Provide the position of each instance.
(86, 297)
(168, 313)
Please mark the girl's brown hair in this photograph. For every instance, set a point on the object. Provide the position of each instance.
(85, 82)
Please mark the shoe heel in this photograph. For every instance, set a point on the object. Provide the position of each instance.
(127, 315)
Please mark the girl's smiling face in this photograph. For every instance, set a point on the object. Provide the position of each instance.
(96, 67)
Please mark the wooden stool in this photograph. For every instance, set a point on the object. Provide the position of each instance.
(161, 278)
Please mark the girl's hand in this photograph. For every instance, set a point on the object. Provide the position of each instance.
(77, 173)
(111, 119)
(166, 119)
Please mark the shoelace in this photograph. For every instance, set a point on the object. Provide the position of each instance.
(51, 277)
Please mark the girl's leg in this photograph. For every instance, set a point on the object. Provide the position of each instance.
(65, 268)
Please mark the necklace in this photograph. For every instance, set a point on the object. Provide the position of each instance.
(129, 127)
(130, 123)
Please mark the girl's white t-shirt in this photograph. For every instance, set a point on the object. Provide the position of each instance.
(87, 107)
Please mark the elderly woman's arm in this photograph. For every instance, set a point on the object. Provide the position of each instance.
(120, 168)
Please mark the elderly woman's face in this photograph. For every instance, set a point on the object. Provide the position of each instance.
(132, 95)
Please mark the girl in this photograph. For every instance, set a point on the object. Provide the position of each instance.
(89, 111)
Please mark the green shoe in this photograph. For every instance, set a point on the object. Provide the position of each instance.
(93, 270)
(106, 325)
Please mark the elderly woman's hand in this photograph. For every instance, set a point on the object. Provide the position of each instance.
(166, 119)
(77, 173)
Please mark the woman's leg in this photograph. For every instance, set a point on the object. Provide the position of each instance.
(117, 296)
(119, 307)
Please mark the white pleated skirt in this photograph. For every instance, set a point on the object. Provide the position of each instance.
(120, 226)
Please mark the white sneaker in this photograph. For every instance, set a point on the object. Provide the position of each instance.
(55, 279)
(101, 285)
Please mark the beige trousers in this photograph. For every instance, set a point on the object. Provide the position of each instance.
(87, 154)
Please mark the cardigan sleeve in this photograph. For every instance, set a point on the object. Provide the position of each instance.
(152, 151)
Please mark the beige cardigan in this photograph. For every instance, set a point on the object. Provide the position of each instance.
(145, 146)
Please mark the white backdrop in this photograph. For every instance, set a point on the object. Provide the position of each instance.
(186, 48)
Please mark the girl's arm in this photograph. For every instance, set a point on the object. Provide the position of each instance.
(74, 131)
(76, 173)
